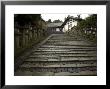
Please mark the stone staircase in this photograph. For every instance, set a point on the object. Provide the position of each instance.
(61, 55)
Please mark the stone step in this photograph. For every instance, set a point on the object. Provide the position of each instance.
(42, 48)
(53, 46)
(62, 55)
(37, 64)
(62, 50)
(63, 40)
(69, 43)
(79, 55)
(62, 62)
(57, 69)
(35, 73)
(78, 58)
(67, 46)
(59, 53)
(81, 73)
(44, 56)
(63, 37)
(66, 65)
(61, 59)
(42, 59)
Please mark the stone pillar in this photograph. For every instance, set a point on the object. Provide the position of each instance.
(17, 41)
(26, 37)
(23, 37)
(37, 33)
(17, 35)
(30, 35)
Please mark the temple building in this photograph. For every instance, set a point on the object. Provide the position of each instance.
(54, 28)
(70, 22)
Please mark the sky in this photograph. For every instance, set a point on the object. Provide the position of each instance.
(46, 17)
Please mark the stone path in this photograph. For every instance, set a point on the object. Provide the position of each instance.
(61, 55)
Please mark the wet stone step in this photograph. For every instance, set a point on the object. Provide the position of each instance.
(80, 73)
(42, 48)
(67, 44)
(70, 42)
(64, 37)
(52, 46)
(58, 56)
(69, 38)
(60, 59)
(63, 40)
(77, 58)
(35, 73)
(80, 55)
(30, 64)
(59, 53)
(42, 59)
(63, 62)
(62, 50)
(45, 56)
(58, 69)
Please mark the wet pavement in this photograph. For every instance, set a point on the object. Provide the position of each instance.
(61, 55)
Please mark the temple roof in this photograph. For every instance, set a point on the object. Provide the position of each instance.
(54, 24)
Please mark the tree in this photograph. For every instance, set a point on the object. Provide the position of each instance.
(49, 21)
(88, 22)
(91, 21)
(57, 21)
(23, 19)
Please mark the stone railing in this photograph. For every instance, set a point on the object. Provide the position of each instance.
(26, 36)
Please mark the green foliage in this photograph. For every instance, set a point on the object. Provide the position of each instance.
(88, 22)
(23, 19)
(35, 34)
(49, 21)
(91, 21)
(57, 21)
(82, 25)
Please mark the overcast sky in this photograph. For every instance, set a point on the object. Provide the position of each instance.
(46, 17)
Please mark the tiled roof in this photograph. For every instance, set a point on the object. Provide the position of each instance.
(54, 24)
